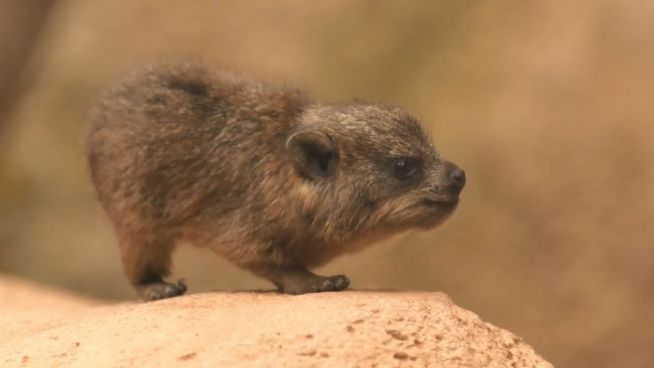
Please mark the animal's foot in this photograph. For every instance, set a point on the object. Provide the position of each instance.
(161, 290)
(315, 284)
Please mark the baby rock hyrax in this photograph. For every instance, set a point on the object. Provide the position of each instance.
(269, 178)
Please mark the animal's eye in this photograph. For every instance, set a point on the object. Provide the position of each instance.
(405, 168)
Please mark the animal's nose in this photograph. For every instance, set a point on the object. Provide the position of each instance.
(458, 179)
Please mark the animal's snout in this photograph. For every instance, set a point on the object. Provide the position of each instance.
(450, 181)
(457, 180)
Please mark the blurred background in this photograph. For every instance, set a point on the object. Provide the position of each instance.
(547, 105)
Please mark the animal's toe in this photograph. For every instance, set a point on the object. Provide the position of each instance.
(181, 287)
(327, 285)
(153, 295)
(341, 282)
(170, 291)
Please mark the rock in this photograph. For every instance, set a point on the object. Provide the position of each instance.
(27, 308)
(256, 329)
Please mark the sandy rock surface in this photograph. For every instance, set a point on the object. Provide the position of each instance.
(251, 329)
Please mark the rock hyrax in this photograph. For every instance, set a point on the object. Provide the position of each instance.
(267, 177)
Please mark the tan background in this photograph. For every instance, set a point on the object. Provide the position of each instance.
(547, 105)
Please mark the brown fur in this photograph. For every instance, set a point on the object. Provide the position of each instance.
(270, 179)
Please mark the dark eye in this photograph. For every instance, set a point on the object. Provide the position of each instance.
(405, 168)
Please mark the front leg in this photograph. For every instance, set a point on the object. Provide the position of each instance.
(297, 280)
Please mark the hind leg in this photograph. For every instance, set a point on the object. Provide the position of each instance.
(297, 280)
(146, 263)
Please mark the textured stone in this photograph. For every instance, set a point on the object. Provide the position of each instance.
(260, 329)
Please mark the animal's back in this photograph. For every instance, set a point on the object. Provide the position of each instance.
(168, 143)
(152, 145)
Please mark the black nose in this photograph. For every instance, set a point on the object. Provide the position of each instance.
(458, 178)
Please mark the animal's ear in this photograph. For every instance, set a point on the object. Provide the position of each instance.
(313, 153)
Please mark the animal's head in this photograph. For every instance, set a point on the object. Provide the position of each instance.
(372, 168)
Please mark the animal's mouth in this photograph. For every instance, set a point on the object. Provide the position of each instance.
(435, 209)
(444, 202)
